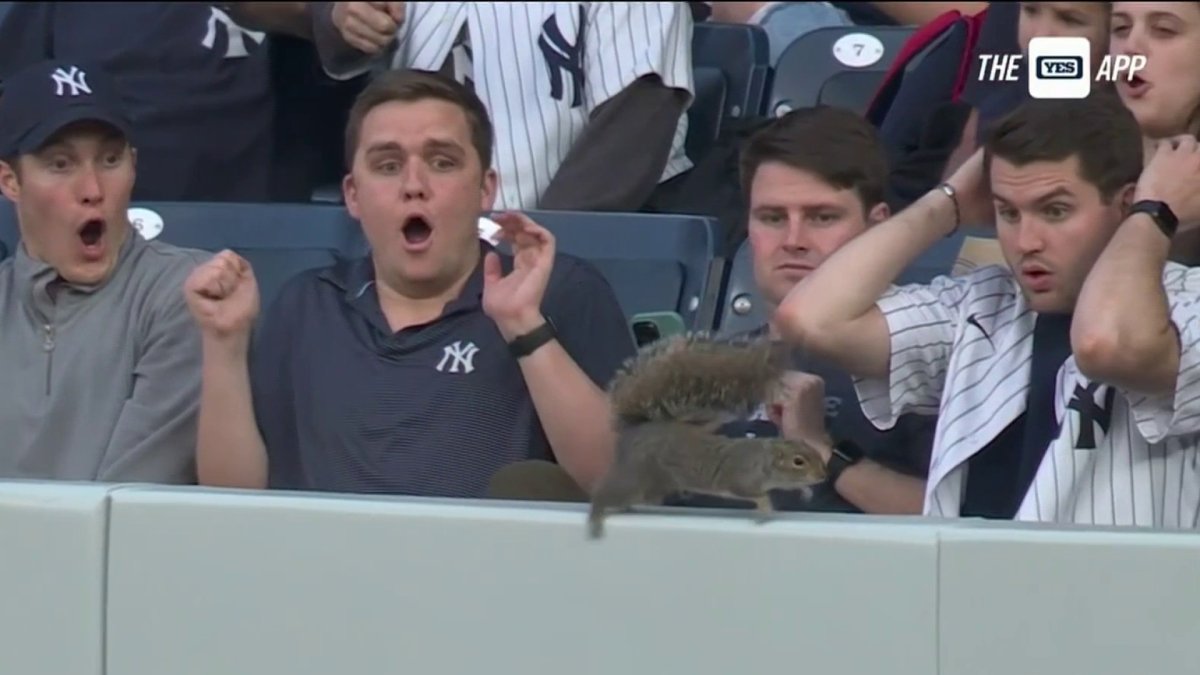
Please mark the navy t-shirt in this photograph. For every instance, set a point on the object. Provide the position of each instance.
(197, 86)
(905, 447)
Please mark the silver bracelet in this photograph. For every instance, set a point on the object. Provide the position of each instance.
(950, 192)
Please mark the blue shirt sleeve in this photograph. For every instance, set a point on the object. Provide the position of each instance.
(591, 325)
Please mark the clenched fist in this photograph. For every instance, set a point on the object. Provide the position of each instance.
(369, 27)
(223, 296)
(798, 409)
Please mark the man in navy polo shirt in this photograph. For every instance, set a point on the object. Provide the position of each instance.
(427, 365)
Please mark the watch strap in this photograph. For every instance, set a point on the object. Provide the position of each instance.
(844, 455)
(1160, 213)
(524, 345)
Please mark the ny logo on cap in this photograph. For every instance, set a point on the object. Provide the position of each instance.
(75, 79)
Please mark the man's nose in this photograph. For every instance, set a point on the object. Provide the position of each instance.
(414, 181)
(90, 190)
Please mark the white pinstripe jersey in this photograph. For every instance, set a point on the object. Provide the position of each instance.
(961, 349)
(539, 110)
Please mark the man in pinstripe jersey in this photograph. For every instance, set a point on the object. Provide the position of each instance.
(1047, 410)
(588, 98)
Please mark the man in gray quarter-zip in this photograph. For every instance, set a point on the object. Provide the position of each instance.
(99, 358)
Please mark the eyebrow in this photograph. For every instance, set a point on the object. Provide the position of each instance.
(1051, 195)
(435, 145)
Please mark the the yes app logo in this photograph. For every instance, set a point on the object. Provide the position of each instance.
(1060, 67)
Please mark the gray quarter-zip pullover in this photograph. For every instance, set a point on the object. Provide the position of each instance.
(100, 382)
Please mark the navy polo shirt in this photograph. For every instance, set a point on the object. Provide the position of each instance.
(345, 404)
(904, 448)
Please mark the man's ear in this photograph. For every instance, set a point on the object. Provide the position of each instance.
(1125, 197)
(10, 181)
(878, 213)
(350, 195)
(487, 197)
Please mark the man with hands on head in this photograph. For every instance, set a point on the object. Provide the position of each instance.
(433, 361)
(1051, 405)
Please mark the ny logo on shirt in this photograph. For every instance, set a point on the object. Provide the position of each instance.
(74, 79)
(458, 357)
(1091, 414)
(563, 59)
(235, 35)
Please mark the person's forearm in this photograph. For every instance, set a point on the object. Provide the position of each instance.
(819, 311)
(291, 18)
(230, 451)
(874, 488)
(1121, 330)
(573, 411)
(921, 13)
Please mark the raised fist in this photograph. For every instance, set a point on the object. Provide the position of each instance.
(223, 296)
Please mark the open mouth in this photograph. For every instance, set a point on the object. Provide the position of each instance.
(416, 230)
(91, 232)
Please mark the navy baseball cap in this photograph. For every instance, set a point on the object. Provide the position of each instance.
(40, 99)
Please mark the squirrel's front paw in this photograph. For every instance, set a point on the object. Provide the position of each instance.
(763, 509)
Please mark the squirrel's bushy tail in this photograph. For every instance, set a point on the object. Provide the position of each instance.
(696, 378)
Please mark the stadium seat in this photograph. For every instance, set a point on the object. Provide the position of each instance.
(926, 83)
(707, 110)
(742, 53)
(655, 263)
(10, 235)
(279, 240)
(810, 61)
(743, 310)
(850, 89)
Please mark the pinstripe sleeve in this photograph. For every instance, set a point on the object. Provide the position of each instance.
(922, 321)
(628, 40)
(1177, 414)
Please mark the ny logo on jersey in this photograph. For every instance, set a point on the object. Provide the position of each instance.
(235, 35)
(458, 357)
(71, 82)
(1083, 401)
(564, 59)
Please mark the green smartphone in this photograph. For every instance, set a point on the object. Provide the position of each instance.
(650, 327)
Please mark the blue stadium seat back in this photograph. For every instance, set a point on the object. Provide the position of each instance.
(742, 53)
(706, 112)
(743, 310)
(10, 233)
(279, 240)
(654, 263)
(811, 60)
(936, 261)
(850, 89)
(927, 82)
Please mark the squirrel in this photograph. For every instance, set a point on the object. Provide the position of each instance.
(670, 399)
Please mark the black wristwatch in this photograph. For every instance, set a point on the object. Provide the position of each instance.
(1162, 215)
(845, 455)
(524, 345)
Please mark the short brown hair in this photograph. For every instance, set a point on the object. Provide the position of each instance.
(409, 86)
(1099, 129)
(835, 144)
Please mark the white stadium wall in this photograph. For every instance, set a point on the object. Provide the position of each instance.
(116, 580)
